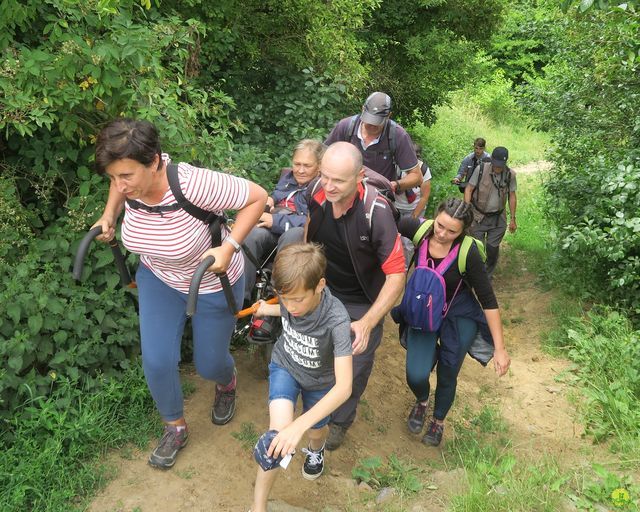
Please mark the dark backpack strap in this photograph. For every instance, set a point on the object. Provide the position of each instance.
(351, 128)
(195, 211)
(391, 138)
(137, 205)
(213, 220)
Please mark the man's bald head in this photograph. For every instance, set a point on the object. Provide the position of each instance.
(343, 154)
(340, 172)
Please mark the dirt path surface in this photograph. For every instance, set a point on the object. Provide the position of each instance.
(216, 473)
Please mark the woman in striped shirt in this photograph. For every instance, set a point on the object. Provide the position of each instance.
(171, 243)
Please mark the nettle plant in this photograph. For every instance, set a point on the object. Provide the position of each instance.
(55, 328)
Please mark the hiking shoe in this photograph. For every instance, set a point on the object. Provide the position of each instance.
(434, 434)
(313, 463)
(224, 404)
(415, 421)
(336, 436)
(172, 441)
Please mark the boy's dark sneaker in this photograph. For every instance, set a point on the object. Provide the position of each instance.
(224, 404)
(434, 434)
(336, 436)
(172, 441)
(313, 463)
(415, 421)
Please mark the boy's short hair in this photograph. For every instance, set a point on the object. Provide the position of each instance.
(300, 264)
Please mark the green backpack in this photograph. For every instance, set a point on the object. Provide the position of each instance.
(464, 246)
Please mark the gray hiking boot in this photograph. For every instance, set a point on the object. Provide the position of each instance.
(433, 437)
(224, 404)
(415, 421)
(172, 441)
(336, 436)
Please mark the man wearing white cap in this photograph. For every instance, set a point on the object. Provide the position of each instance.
(386, 147)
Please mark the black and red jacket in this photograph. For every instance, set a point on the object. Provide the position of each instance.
(371, 233)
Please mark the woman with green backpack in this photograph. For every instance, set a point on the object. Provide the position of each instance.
(448, 309)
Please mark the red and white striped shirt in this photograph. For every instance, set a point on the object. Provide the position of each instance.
(171, 243)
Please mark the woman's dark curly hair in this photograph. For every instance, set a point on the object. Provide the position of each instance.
(457, 209)
(127, 138)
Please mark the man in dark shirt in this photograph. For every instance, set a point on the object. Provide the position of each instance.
(385, 145)
(365, 262)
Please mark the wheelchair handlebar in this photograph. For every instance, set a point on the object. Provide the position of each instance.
(83, 248)
(192, 299)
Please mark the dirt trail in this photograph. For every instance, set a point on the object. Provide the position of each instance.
(215, 473)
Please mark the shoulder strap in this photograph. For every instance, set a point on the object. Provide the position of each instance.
(193, 210)
(421, 232)
(213, 220)
(351, 127)
(391, 137)
(464, 252)
(448, 260)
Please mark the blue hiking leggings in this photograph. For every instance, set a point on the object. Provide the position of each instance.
(162, 320)
(421, 354)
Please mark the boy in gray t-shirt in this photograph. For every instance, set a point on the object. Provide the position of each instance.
(312, 357)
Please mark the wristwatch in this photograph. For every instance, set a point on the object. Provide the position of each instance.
(236, 245)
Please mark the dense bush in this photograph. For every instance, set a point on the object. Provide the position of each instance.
(66, 68)
(54, 328)
(589, 99)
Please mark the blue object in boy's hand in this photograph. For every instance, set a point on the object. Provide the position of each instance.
(260, 451)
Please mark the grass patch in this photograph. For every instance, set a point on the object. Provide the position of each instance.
(395, 473)
(606, 351)
(248, 435)
(496, 479)
(52, 454)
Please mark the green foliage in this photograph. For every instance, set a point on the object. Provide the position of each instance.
(601, 487)
(66, 68)
(419, 51)
(606, 351)
(248, 435)
(395, 473)
(52, 445)
(16, 223)
(603, 222)
(297, 106)
(497, 479)
(521, 46)
(588, 99)
(450, 139)
(54, 328)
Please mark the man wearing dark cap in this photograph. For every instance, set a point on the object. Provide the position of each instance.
(385, 145)
(490, 187)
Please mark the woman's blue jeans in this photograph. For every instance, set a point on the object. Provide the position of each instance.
(421, 357)
(162, 321)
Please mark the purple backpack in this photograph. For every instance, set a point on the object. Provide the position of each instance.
(424, 303)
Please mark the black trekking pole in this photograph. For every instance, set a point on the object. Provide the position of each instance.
(83, 248)
(198, 274)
